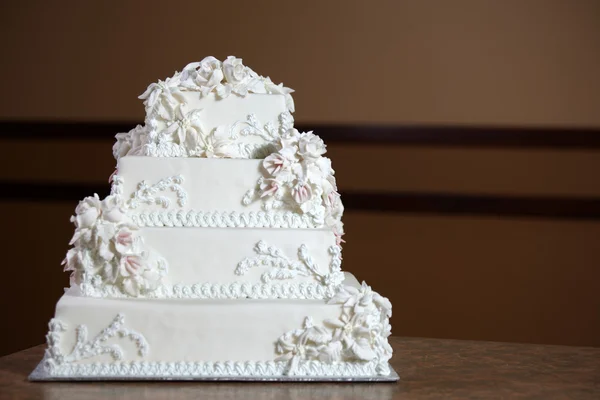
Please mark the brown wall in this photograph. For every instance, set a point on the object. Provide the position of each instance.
(478, 61)
(462, 62)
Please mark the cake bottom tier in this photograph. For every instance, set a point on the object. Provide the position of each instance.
(92, 338)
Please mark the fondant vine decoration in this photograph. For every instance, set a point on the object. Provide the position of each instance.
(282, 267)
(86, 348)
(147, 193)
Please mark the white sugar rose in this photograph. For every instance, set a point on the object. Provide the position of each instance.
(235, 72)
(210, 69)
(129, 143)
(111, 209)
(206, 74)
(210, 74)
(87, 212)
(311, 146)
(122, 146)
(137, 139)
(87, 203)
(319, 172)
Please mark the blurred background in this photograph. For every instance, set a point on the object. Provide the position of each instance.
(465, 136)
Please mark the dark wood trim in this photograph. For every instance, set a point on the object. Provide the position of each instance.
(403, 202)
(59, 130)
(413, 135)
(473, 204)
(461, 136)
(50, 192)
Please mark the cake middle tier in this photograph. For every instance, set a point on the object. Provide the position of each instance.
(239, 263)
(204, 192)
(151, 184)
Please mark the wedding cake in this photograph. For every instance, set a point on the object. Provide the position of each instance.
(217, 254)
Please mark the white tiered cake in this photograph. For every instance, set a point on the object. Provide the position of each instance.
(217, 254)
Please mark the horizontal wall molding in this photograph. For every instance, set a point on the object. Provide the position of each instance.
(413, 135)
(480, 205)
(401, 202)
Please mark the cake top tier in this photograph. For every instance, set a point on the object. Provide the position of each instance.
(210, 109)
(230, 77)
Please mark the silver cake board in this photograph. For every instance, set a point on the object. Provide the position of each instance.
(40, 374)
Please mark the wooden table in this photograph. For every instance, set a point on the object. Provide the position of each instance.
(428, 368)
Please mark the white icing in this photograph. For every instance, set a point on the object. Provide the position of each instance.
(282, 267)
(212, 203)
(202, 263)
(147, 193)
(188, 136)
(108, 250)
(209, 75)
(211, 184)
(223, 219)
(85, 349)
(130, 143)
(296, 176)
(197, 257)
(359, 334)
(234, 369)
(253, 127)
(194, 329)
(205, 133)
(203, 337)
(203, 110)
(231, 304)
(234, 290)
(211, 255)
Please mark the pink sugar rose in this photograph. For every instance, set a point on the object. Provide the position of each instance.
(124, 240)
(302, 192)
(130, 265)
(269, 187)
(274, 163)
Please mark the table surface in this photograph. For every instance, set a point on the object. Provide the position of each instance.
(428, 369)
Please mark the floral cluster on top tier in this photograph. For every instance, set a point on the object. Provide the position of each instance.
(209, 75)
(173, 130)
(297, 176)
(107, 250)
